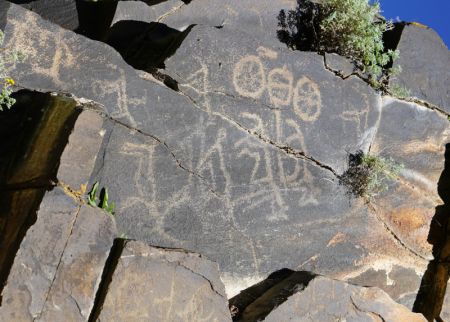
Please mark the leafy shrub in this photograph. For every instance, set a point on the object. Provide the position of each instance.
(351, 28)
(6, 82)
(367, 175)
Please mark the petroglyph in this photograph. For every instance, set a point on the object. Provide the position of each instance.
(307, 100)
(116, 86)
(250, 79)
(280, 85)
(27, 42)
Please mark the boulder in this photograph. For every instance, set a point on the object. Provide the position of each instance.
(425, 65)
(36, 157)
(58, 268)
(242, 163)
(300, 296)
(257, 18)
(154, 284)
(54, 247)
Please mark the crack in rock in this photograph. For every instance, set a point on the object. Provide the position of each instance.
(57, 266)
(372, 210)
(164, 145)
(285, 148)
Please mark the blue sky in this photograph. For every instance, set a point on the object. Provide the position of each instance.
(433, 13)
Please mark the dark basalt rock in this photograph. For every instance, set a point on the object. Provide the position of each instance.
(425, 63)
(242, 164)
(164, 284)
(302, 296)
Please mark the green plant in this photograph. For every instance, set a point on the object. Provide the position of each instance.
(367, 175)
(6, 82)
(351, 28)
(399, 91)
(101, 202)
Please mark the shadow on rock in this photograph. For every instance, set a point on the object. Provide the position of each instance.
(433, 287)
(257, 301)
(299, 28)
(146, 46)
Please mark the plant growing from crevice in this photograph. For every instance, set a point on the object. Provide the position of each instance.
(103, 200)
(6, 82)
(367, 176)
(351, 28)
(399, 91)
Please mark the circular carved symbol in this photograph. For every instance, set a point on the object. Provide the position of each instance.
(307, 100)
(249, 78)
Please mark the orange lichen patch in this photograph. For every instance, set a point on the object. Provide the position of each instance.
(418, 24)
(337, 239)
(409, 219)
(77, 195)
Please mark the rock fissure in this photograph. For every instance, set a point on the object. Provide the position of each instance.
(397, 238)
(170, 12)
(357, 308)
(47, 295)
(285, 148)
(202, 276)
(163, 144)
(106, 278)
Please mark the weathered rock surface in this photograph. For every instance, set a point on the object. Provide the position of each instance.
(302, 297)
(415, 137)
(35, 157)
(152, 284)
(257, 18)
(242, 164)
(55, 273)
(286, 97)
(425, 63)
(59, 265)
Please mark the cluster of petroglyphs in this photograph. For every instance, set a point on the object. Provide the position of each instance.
(54, 67)
(250, 79)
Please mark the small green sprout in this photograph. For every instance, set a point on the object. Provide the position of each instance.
(101, 202)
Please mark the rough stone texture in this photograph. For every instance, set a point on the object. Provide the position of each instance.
(425, 63)
(152, 284)
(330, 300)
(141, 11)
(254, 17)
(78, 159)
(286, 97)
(415, 137)
(225, 173)
(61, 12)
(340, 65)
(57, 270)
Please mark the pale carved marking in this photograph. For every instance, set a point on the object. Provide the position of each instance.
(307, 100)
(280, 86)
(357, 114)
(117, 87)
(250, 80)
(143, 156)
(249, 77)
(267, 53)
(29, 37)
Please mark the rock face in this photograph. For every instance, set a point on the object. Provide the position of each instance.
(301, 297)
(234, 149)
(425, 67)
(151, 284)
